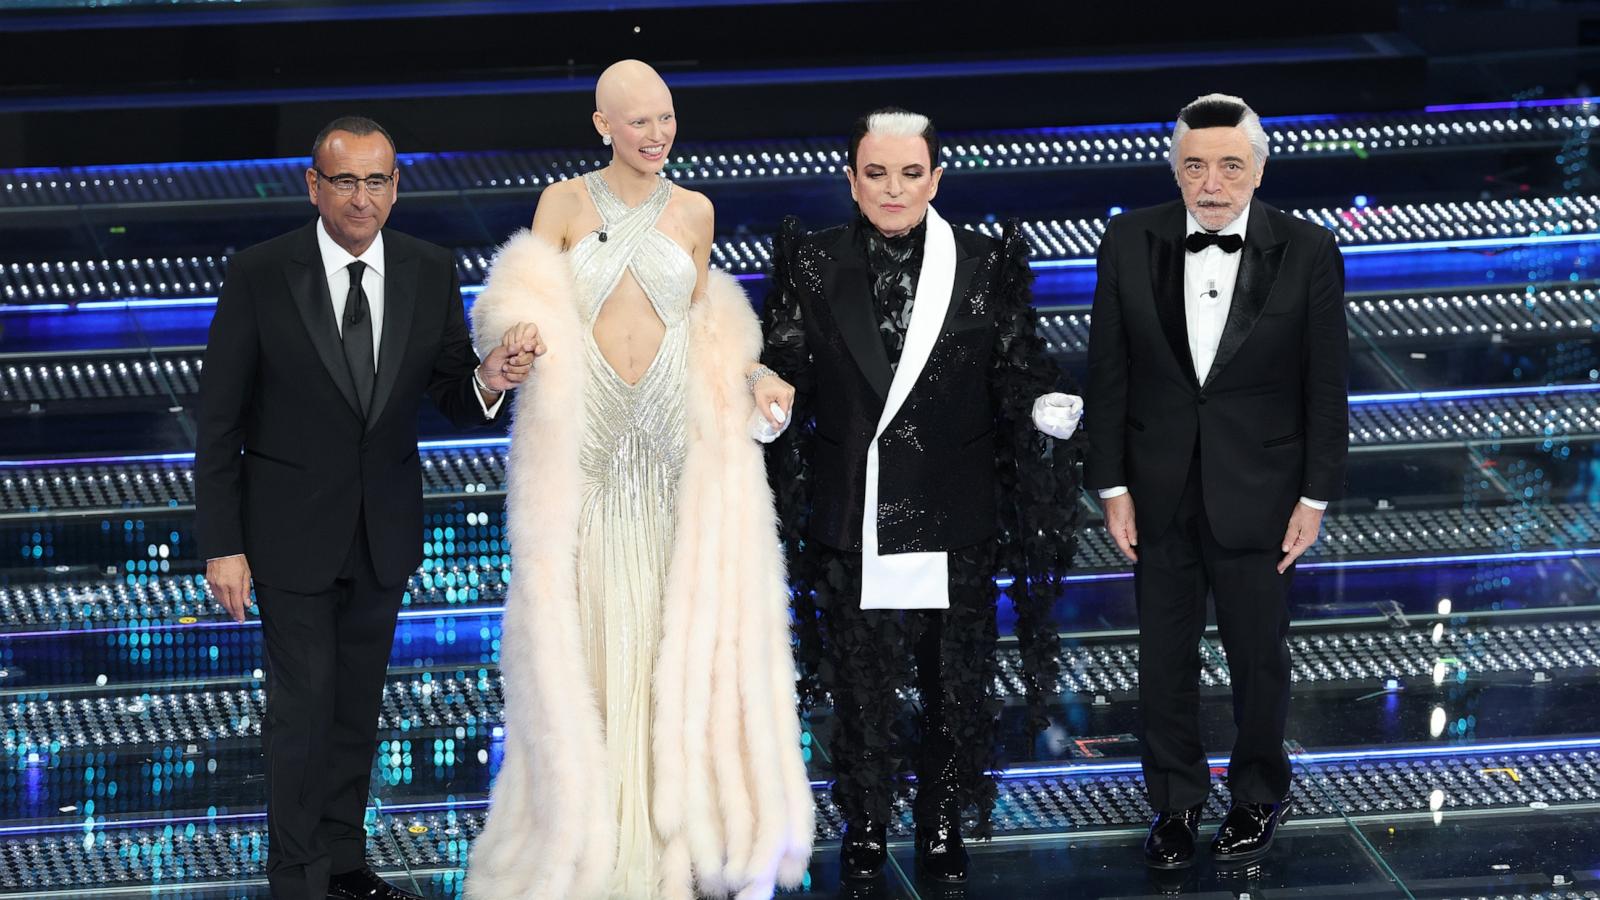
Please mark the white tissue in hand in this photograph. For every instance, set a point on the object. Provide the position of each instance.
(763, 430)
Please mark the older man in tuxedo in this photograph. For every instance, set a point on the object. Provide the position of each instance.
(1217, 424)
(323, 343)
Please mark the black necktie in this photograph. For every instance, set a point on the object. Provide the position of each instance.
(358, 337)
(1230, 243)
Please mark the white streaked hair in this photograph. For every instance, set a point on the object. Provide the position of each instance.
(897, 124)
(1211, 105)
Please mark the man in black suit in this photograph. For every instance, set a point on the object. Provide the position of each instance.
(928, 449)
(323, 343)
(1217, 403)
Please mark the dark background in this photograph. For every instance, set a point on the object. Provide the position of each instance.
(149, 82)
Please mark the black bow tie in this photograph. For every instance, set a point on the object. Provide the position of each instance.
(1230, 243)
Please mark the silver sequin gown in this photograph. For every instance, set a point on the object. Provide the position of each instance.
(632, 458)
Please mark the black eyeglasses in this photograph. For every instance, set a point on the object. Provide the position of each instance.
(344, 184)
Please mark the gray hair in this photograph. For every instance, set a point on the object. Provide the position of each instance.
(1220, 111)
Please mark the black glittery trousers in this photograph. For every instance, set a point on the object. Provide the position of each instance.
(871, 656)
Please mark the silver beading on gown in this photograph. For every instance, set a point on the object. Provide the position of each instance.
(632, 458)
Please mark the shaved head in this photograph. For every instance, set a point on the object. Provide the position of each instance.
(634, 115)
(626, 82)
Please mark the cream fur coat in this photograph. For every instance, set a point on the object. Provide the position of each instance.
(731, 804)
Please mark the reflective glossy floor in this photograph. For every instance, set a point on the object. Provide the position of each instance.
(1445, 724)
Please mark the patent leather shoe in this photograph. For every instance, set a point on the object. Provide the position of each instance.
(1246, 834)
(864, 851)
(364, 884)
(941, 855)
(1171, 841)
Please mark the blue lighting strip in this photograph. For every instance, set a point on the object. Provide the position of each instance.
(145, 303)
(463, 443)
(1044, 265)
(1511, 104)
(411, 159)
(451, 612)
(97, 460)
(1472, 243)
(1331, 756)
(1021, 772)
(442, 444)
(1513, 556)
(1391, 562)
(1475, 393)
(447, 612)
(483, 443)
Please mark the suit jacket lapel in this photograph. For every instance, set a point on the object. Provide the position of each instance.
(966, 265)
(1258, 272)
(844, 284)
(1166, 284)
(399, 302)
(308, 284)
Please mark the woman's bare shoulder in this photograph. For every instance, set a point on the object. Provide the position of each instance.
(559, 206)
(562, 197)
(693, 209)
(691, 200)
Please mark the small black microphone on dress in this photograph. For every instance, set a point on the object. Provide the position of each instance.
(602, 232)
(1211, 287)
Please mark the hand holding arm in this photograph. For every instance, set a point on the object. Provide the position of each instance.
(509, 363)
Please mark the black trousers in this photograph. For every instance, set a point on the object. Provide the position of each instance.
(869, 655)
(327, 654)
(1178, 567)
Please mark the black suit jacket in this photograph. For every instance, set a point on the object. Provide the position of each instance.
(937, 459)
(1271, 418)
(276, 385)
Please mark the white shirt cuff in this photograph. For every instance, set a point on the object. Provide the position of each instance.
(489, 409)
(229, 556)
(1318, 505)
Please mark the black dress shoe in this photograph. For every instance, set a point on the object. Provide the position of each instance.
(864, 851)
(364, 884)
(1246, 834)
(941, 855)
(1171, 841)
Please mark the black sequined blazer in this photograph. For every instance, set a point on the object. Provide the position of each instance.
(937, 460)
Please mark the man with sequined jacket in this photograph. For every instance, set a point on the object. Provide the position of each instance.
(926, 451)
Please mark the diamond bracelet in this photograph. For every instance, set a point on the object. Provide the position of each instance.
(755, 376)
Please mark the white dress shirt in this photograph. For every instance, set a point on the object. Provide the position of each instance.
(336, 262)
(1208, 281)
